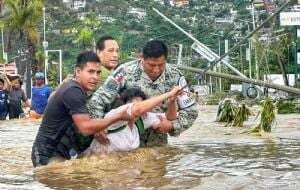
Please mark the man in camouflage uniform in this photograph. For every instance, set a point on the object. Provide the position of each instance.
(154, 76)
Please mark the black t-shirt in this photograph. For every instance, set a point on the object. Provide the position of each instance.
(68, 100)
(15, 98)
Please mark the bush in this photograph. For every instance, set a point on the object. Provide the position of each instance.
(214, 99)
(285, 107)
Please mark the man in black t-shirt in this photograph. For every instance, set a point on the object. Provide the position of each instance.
(66, 124)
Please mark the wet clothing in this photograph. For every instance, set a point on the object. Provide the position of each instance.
(40, 97)
(57, 135)
(15, 98)
(3, 104)
(121, 136)
(130, 75)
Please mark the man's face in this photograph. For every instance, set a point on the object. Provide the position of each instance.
(154, 67)
(88, 77)
(16, 84)
(39, 82)
(109, 56)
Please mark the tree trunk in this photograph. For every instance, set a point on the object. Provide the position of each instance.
(32, 50)
(31, 66)
(283, 71)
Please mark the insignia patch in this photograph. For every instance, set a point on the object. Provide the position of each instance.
(111, 85)
(119, 75)
(185, 101)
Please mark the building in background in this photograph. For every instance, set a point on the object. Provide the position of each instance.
(9, 68)
(179, 3)
(75, 4)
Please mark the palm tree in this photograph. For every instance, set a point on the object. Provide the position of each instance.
(85, 37)
(21, 23)
(86, 28)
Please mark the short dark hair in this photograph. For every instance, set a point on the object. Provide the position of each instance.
(126, 95)
(155, 49)
(130, 93)
(86, 56)
(100, 43)
(1, 80)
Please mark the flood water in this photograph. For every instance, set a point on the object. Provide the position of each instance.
(207, 156)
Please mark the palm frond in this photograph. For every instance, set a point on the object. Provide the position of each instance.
(227, 109)
(242, 114)
(267, 116)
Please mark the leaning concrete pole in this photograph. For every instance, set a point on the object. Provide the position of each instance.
(200, 46)
(242, 79)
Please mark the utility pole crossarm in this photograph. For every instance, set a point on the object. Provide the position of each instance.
(200, 47)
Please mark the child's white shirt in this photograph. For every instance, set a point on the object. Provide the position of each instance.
(126, 139)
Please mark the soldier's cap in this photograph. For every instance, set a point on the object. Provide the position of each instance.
(39, 76)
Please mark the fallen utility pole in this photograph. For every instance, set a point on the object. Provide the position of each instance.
(200, 47)
(242, 79)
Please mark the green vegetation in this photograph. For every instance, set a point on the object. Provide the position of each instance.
(21, 25)
(285, 107)
(242, 114)
(215, 98)
(267, 116)
(232, 113)
(227, 111)
(77, 30)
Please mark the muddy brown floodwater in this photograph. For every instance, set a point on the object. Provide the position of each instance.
(206, 156)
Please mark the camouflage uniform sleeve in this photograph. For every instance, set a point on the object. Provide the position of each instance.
(185, 119)
(187, 113)
(106, 94)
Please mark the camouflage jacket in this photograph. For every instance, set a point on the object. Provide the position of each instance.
(131, 74)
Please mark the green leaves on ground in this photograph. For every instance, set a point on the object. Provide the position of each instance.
(267, 116)
(242, 114)
(227, 111)
(233, 114)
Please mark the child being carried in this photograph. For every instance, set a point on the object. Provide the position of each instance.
(124, 136)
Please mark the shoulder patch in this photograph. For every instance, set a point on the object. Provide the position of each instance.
(119, 75)
(119, 71)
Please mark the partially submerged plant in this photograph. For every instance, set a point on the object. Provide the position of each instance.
(267, 116)
(226, 110)
(242, 114)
